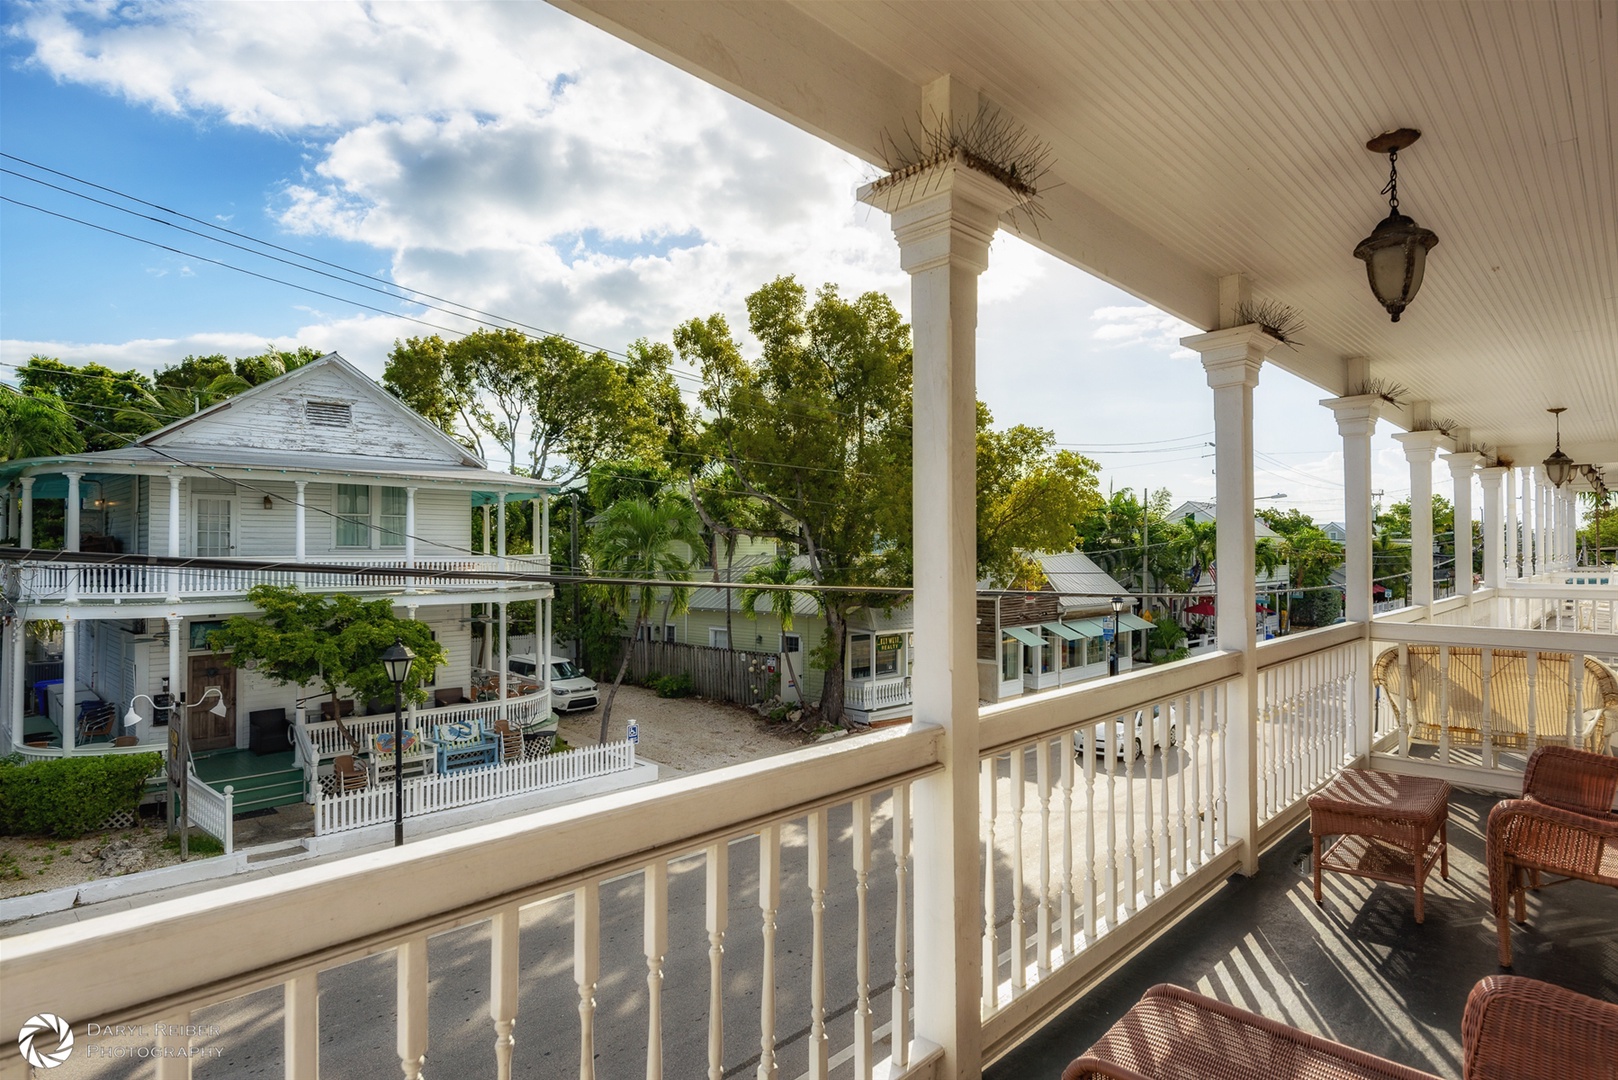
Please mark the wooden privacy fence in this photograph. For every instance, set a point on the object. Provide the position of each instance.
(735, 675)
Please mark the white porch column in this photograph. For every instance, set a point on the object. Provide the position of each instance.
(176, 658)
(70, 682)
(944, 220)
(1232, 359)
(485, 528)
(1421, 448)
(500, 538)
(1356, 423)
(1461, 468)
(16, 657)
(174, 515)
(1513, 568)
(300, 522)
(25, 530)
(410, 538)
(70, 528)
(1493, 528)
(542, 525)
(505, 655)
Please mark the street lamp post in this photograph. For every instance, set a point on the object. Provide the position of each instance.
(1117, 610)
(396, 658)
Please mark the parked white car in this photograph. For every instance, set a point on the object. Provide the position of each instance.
(1163, 732)
(571, 689)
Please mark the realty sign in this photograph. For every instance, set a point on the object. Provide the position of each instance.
(1107, 628)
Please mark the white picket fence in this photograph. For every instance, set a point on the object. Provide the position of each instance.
(213, 812)
(463, 787)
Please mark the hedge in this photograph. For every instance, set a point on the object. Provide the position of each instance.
(70, 796)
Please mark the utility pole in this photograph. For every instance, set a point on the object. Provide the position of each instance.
(573, 568)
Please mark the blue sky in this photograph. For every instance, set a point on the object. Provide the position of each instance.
(514, 159)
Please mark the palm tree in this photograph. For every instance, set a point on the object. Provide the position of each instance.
(779, 572)
(651, 542)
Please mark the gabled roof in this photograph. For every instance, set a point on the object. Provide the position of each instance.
(1089, 587)
(340, 378)
(1206, 511)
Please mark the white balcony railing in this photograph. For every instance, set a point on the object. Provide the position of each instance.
(1086, 855)
(869, 695)
(68, 582)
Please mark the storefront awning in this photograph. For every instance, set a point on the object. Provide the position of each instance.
(1062, 630)
(1026, 636)
(1126, 621)
(1086, 627)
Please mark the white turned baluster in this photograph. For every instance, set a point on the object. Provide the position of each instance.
(863, 1063)
(1266, 741)
(412, 1005)
(1182, 720)
(172, 1042)
(1575, 699)
(1404, 700)
(1443, 703)
(1090, 870)
(300, 996)
(1487, 665)
(718, 908)
(1112, 854)
(587, 969)
(900, 1023)
(1194, 747)
(1042, 776)
(1064, 749)
(1165, 822)
(1533, 701)
(769, 902)
(991, 957)
(656, 944)
(1216, 777)
(1131, 845)
(818, 1054)
(504, 932)
(1019, 929)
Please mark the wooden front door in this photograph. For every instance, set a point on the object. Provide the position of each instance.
(210, 732)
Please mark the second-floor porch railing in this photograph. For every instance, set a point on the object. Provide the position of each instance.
(869, 695)
(66, 581)
(779, 890)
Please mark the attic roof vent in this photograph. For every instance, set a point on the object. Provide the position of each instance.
(329, 413)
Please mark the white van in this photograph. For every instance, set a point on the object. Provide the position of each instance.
(571, 689)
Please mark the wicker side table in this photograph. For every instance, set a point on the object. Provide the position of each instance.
(1389, 828)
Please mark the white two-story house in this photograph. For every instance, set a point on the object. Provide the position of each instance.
(163, 538)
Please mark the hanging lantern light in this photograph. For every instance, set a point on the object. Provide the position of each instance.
(1558, 467)
(1395, 253)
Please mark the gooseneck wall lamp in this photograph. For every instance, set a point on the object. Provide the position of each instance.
(1395, 253)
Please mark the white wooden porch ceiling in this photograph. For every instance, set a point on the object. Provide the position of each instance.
(1193, 140)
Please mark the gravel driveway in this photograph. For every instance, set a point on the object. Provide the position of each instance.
(685, 735)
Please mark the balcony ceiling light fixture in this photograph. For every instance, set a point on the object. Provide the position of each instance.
(1395, 253)
(1558, 467)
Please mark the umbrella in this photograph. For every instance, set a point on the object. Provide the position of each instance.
(1261, 609)
(1379, 589)
(1201, 607)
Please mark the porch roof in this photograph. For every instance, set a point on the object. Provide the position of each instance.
(1192, 140)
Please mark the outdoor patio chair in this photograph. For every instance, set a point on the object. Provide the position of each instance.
(344, 708)
(510, 740)
(348, 775)
(1512, 1029)
(96, 721)
(1563, 825)
(1590, 703)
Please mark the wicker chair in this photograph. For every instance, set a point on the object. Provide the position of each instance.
(1557, 697)
(348, 774)
(1513, 1029)
(510, 740)
(1562, 825)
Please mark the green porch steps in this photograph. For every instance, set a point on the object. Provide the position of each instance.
(260, 781)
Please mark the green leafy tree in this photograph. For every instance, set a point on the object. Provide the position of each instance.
(332, 641)
(36, 423)
(778, 572)
(423, 374)
(651, 542)
(108, 406)
(817, 430)
(1029, 495)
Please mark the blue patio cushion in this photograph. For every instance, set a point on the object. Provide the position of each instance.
(384, 742)
(461, 731)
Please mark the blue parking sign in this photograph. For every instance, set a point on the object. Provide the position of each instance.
(634, 732)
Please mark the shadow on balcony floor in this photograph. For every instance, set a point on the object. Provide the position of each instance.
(1358, 969)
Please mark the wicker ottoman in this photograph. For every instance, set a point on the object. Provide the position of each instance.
(1387, 826)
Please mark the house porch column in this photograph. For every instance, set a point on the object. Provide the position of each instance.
(16, 659)
(25, 528)
(70, 682)
(1356, 423)
(1461, 467)
(300, 522)
(1231, 358)
(542, 525)
(174, 515)
(1421, 449)
(410, 538)
(70, 529)
(485, 528)
(1512, 517)
(943, 221)
(1493, 528)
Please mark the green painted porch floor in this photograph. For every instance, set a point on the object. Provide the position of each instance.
(259, 780)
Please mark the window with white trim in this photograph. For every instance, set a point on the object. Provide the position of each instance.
(369, 517)
(718, 637)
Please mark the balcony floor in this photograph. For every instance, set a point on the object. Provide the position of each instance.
(1358, 969)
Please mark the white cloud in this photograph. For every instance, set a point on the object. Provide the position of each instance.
(1141, 325)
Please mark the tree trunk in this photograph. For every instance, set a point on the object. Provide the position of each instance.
(629, 651)
(337, 715)
(831, 692)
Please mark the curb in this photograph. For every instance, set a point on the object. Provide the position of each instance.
(117, 888)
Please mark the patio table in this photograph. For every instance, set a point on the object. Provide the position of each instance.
(1389, 827)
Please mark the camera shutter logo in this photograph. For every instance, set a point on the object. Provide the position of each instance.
(38, 1033)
